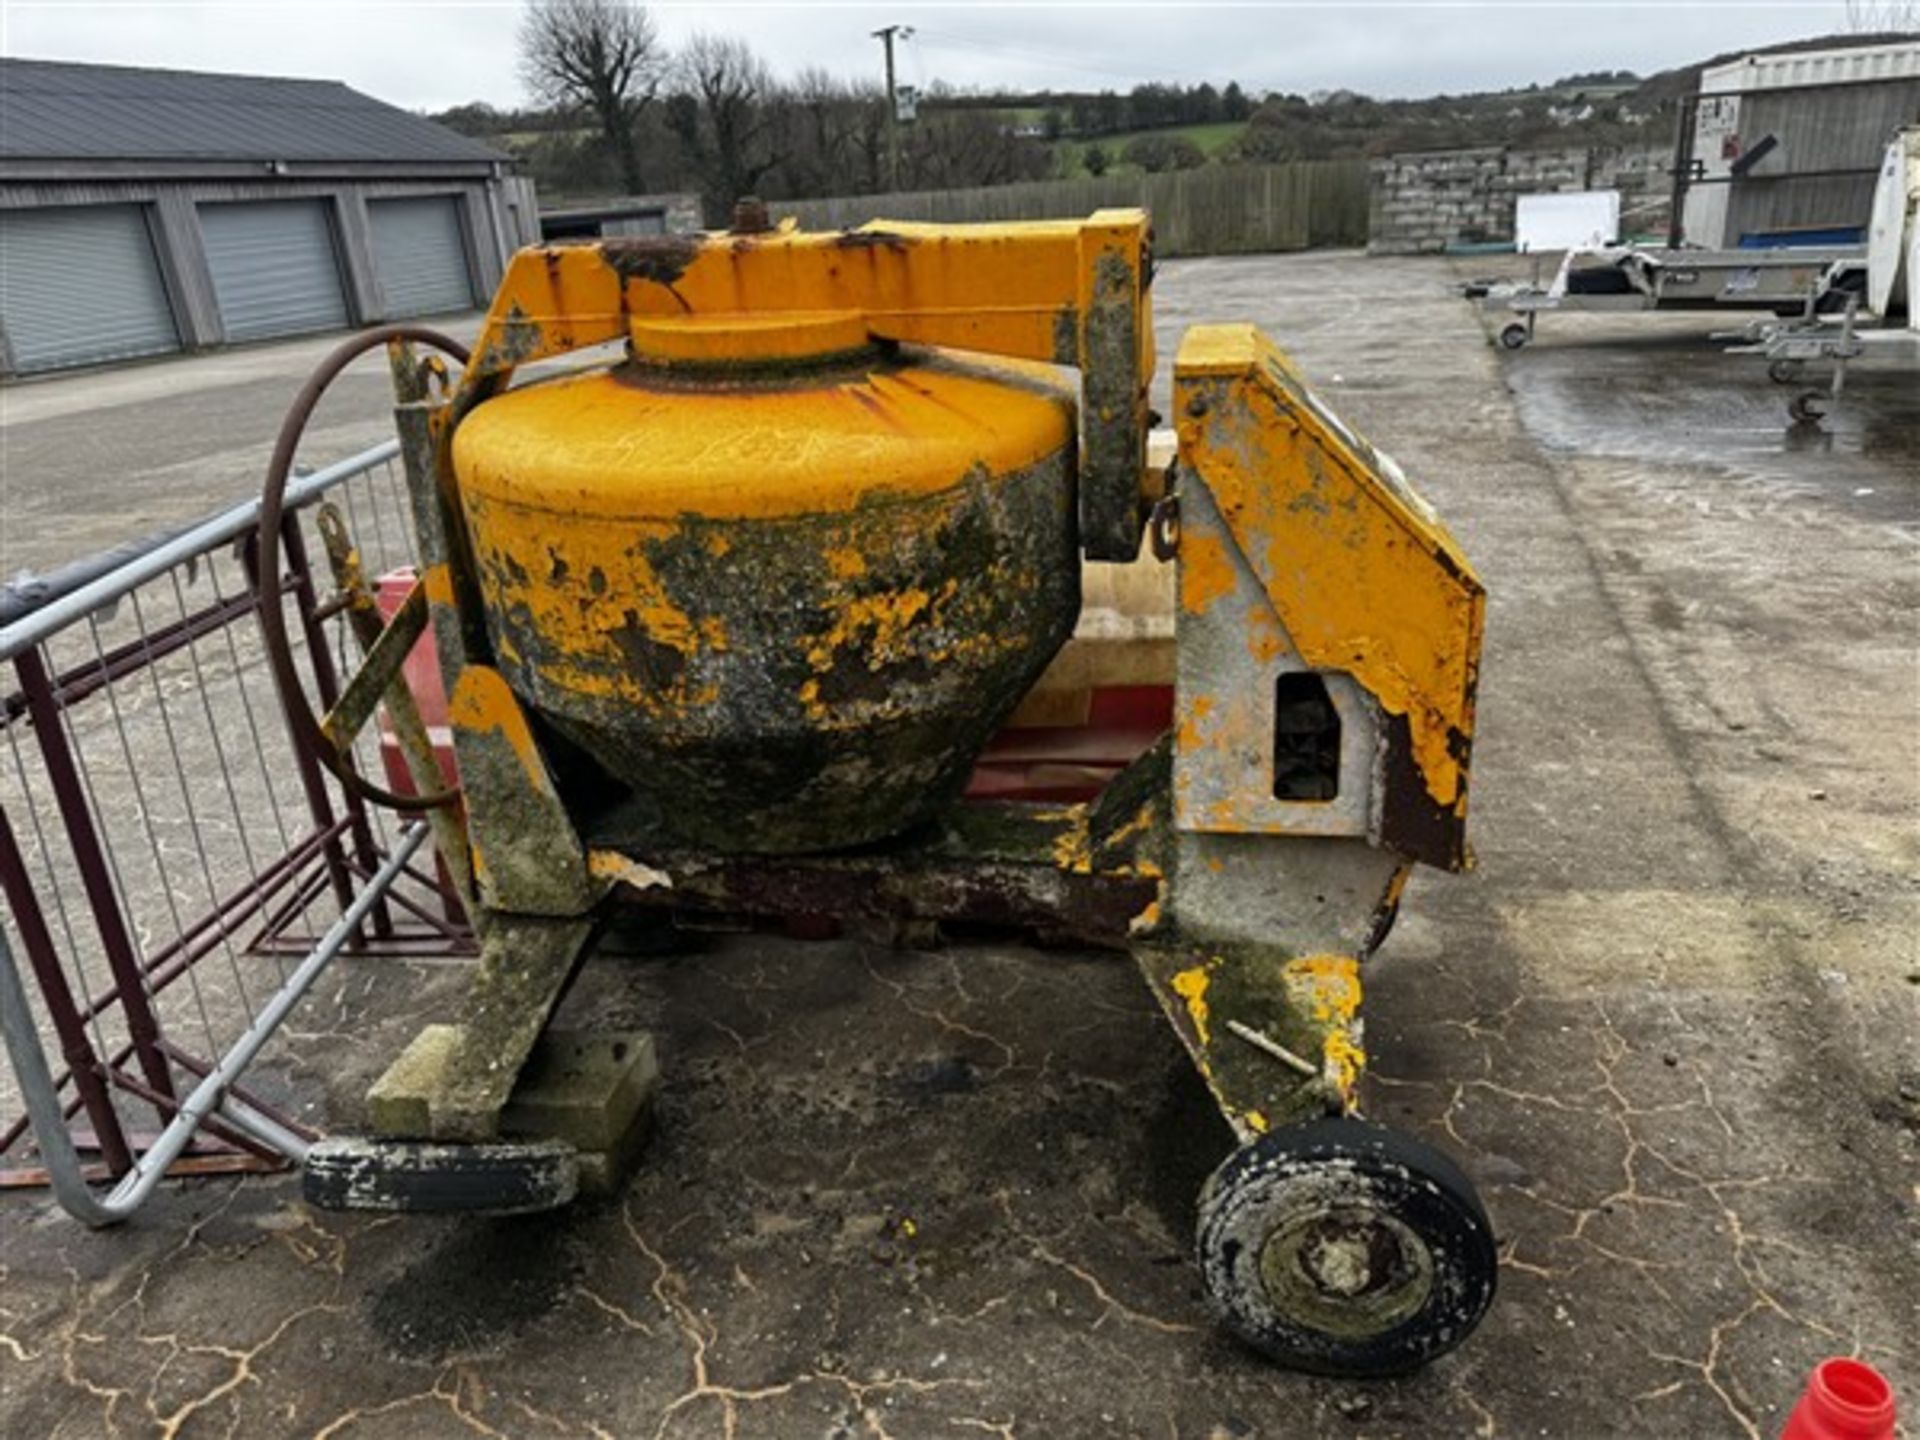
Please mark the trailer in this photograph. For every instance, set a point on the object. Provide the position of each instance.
(1787, 281)
(1893, 258)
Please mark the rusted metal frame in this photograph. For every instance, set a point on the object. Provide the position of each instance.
(77, 683)
(225, 1134)
(199, 1067)
(84, 1067)
(447, 929)
(445, 939)
(112, 1062)
(1255, 436)
(187, 1167)
(327, 682)
(312, 782)
(1093, 908)
(194, 943)
(206, 1099)
(307, 887)
(1089, 871)
(89, 855)
(425, 427)
(387, 649)
(452, 922)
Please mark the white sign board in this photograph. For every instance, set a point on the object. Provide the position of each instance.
(1568, 220)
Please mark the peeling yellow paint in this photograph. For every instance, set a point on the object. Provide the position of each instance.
(845, 563)
(875, 624)
(625, 870)
(1072, 849)
(439, 585)
(1191, 986)
(482, 703)
(1192, 729)
(1328, 985)
(1344, 1060)
(1206, 571)
(1361, 575)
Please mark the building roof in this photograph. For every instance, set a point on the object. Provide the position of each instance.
(50, 110)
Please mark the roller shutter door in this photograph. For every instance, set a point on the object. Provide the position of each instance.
(274, 267)
(81, 285)
(419, 256)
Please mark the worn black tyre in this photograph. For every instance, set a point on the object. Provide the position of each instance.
(1514, 336)
(1785, 372)
(1342, 1248)
(501, 1177)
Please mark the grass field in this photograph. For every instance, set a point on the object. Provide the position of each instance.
(1212, 139)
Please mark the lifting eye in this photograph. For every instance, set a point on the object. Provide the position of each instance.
(1306, 739)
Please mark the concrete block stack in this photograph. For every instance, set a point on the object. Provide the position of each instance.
(1425, 202)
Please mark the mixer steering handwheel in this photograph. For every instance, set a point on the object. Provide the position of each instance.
(335, 754)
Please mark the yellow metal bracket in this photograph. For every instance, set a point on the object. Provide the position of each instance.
(1359, 572)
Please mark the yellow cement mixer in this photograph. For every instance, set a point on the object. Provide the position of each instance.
(736, 619)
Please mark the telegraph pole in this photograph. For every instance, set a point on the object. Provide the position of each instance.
(885, 35)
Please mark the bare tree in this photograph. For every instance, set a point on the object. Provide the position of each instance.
(835, 138)
(728, 116)
(601, 56)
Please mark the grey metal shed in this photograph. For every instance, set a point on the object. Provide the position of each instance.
(143, 211)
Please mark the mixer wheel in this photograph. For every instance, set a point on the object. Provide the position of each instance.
(496, 1178)
(1515, 335)
(1342, 1248)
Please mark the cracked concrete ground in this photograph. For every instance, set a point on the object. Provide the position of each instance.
(1669, 1024)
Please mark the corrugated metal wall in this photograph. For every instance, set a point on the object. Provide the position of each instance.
(81, 285)
(275, 268)
(420, 256)
(1792, 143)
(1842, 128)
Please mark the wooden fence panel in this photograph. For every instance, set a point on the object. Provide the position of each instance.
(1216, 210)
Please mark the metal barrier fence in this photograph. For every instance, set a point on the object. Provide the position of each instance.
(176, 870)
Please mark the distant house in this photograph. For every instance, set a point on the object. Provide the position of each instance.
(146, 211)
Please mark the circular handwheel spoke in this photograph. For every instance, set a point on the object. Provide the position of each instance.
(1344, 1248)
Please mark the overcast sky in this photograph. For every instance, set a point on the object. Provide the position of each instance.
(429, 54)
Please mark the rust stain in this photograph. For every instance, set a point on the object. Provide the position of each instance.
(1206, 572)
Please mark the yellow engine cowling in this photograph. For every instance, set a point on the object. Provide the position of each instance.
(777, 580)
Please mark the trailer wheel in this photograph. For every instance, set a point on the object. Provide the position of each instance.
(1343, 1248)
(1785, 372)
(1514, 336)
(1808, 407)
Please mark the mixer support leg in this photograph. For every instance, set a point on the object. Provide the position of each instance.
(453, 1080)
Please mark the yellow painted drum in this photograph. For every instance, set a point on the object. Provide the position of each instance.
(782, 596)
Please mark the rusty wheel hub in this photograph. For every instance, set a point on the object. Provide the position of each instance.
(1346, 1270)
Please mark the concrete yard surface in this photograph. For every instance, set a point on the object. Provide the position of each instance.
(1670, 1024)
